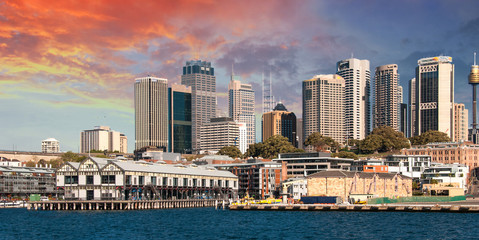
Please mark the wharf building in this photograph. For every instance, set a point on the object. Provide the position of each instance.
(50, 145)
(434, 92)
(387, 97)
(151, 108)
(357, 78)
(200, 76)
(297, 165)
(349, 184)
(20, 182)
(295, 187)
(256, 179)
(102, 138)
(179, 119)
(323, 107)
(461, 123)
(280, 122)
(110, 179)
(241, 106)
(221, 132)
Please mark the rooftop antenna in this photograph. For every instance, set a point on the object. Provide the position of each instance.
(352, 55)
(474, 58)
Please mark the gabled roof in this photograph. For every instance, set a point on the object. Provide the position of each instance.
(136, 166)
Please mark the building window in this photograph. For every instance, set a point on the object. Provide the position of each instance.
(141, 180)
(165, 181)
(153, 181)
(128, 179)
(108, 179)
(212, 183)
(227, 183)
(195, 181)
(71, 179)
(185, 182)
(219, 183)
(203, 182)
(89, 179)
(175, 182)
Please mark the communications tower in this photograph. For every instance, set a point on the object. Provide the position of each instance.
(474, 80)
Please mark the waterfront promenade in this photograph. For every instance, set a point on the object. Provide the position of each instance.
(460, 206)
(121, 204)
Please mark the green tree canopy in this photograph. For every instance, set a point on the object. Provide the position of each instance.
(345, 154)
(387, 138)
(231, 151)
(271, 147)
(429, 137)
(72, 157)
(321, 143)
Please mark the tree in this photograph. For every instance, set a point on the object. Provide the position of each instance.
(231, 151)
(392, 139)
(429, 137)
(56, 163)
(277, 144)
(254, 150)
(271, 147)
(344, 154)
(30, 164)
(371, 143)
(321, 143)
(72, 157)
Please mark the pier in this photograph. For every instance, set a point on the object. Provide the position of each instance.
(120, 204)
(360, 208)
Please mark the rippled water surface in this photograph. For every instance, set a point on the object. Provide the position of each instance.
(208, 223)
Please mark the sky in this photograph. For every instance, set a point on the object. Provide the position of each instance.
(68, 66)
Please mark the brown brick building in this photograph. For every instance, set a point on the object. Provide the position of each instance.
(344, 183)
(450, 152)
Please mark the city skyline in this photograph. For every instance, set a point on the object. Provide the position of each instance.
(72, 65)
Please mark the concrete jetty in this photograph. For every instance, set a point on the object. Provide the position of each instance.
(360, 208)
(120, 204)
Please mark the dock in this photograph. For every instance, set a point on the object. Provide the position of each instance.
(359, 208)
(71, 205)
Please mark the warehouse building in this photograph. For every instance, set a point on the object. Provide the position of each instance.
(99, 178)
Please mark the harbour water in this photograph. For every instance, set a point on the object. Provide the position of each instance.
(208, 223)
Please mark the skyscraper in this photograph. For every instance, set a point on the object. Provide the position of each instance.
(387, 97)
(200, 76)
(412, 108)
(219, 132)
(357, 78)
(241, 106)
(280, 122)
(435, 95)
(323, 107)
(151, 112)
(461, 123)
(179, 119)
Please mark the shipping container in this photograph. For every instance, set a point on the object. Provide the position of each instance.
(321, 200)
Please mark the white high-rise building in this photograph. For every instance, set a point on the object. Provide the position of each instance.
(387, 97)
(50, 145)
(241, 106)
(151, 112)
(323, 107)
(412, 107)
(102, 138)
(200, 76)
(435, 95)
(218, 133)
(357, 77)
(243, 137)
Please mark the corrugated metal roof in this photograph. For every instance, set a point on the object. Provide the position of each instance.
(26, 169)
(141, 166)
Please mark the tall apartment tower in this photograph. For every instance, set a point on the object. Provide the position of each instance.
(323, 106)
(461, 123)
(280, 122)
(151, 112)
(435, 95)
(200, 76)
(218, 133)
(102, 138)
(387, 97)
(241, 106)
(179, 119)
(357, 77)
(412, 108)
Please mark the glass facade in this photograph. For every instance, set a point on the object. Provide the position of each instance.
(179, 127)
